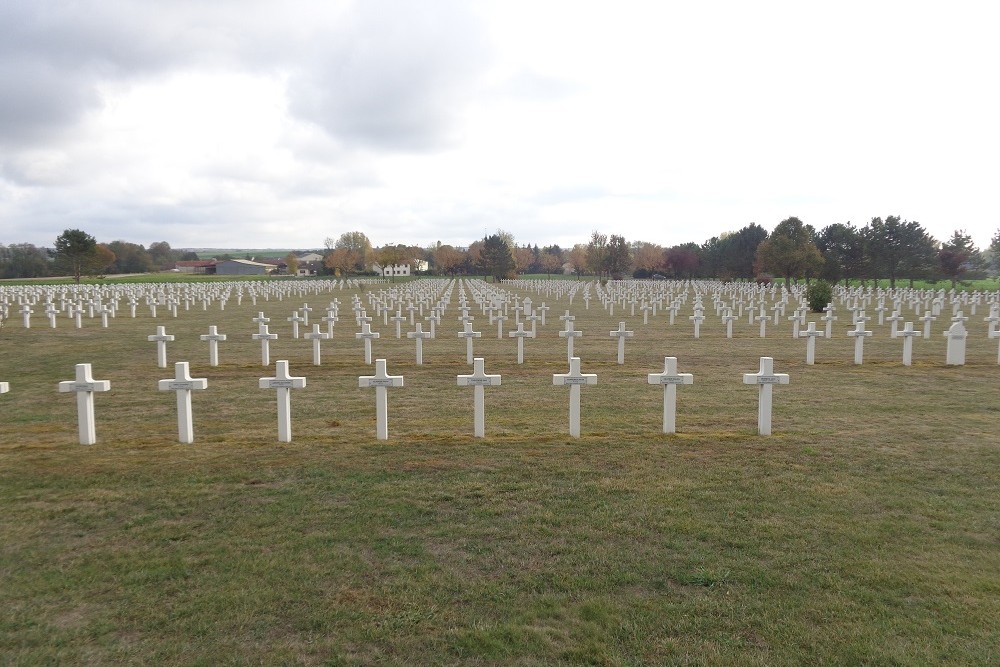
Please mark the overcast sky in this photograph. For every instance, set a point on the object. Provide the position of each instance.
(251, 124)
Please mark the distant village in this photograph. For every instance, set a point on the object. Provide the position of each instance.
(306, 264)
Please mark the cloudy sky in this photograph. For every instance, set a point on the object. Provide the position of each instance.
(245, 123)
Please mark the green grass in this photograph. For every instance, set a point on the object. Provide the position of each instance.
(864, 531)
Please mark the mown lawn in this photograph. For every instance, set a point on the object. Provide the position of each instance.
(864, 531)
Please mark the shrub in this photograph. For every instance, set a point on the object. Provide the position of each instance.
(818, 294)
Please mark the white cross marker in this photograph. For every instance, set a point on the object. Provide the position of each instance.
(161, 338)
(574, 379)
(213, 337)
(621, 335)
(478, 380)
(697, 318)
(183, 384)
(295, 319)
(419, 335)
(284, 383)
(859, 334)
(569, 334)
(317, 337)
(85, 385)
(398, 319)
(894, 320)
(380, 381)
(468, 334)
(810, 334)
(265, 338)
(670, 378)
(764, 379)
(26, 312)
(908, 333)
(520, 334)
(367, 334)
(500, 320)
(829, 318)
(927, 319)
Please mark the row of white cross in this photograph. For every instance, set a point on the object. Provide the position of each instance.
(85, 386)
(955, 350)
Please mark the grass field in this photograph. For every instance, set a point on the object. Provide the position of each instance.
(864, 531)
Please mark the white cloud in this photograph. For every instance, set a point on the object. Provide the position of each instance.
(415, 122)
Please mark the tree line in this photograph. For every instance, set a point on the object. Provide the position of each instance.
(76, 253)
(883, 249)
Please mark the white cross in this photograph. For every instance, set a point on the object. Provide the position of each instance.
(368, 335)
(859, 334)
(670, 378)
(380, 381)
(468, 334)
(260, 319)
(765, 378)
(213, 337)
(908, 333)
(520, 334)
(330, 318)
(283, 383)
(993, 319)
(500, 320)
(569, 334)
(51, 311)
(295, 319)
(317, 337)
(398, 319)
(621, 335)
(479, 379)
(26, 312)
(543, 309)
(798, 318)
(697, 318)
(894, 320)
(434, 319)
(574, 379)
(927, 319)
(305, 310)
(763, 319)
(265, 338)
(85, 385)
(183, 384)
(995, 334)
(728, 318)
(419, 335)
(810, 334)
(105, 311)
(161, 338)
(829, 319)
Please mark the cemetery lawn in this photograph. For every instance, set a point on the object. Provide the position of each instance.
(864, 531)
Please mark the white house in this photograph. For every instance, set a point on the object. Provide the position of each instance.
(392, 270)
